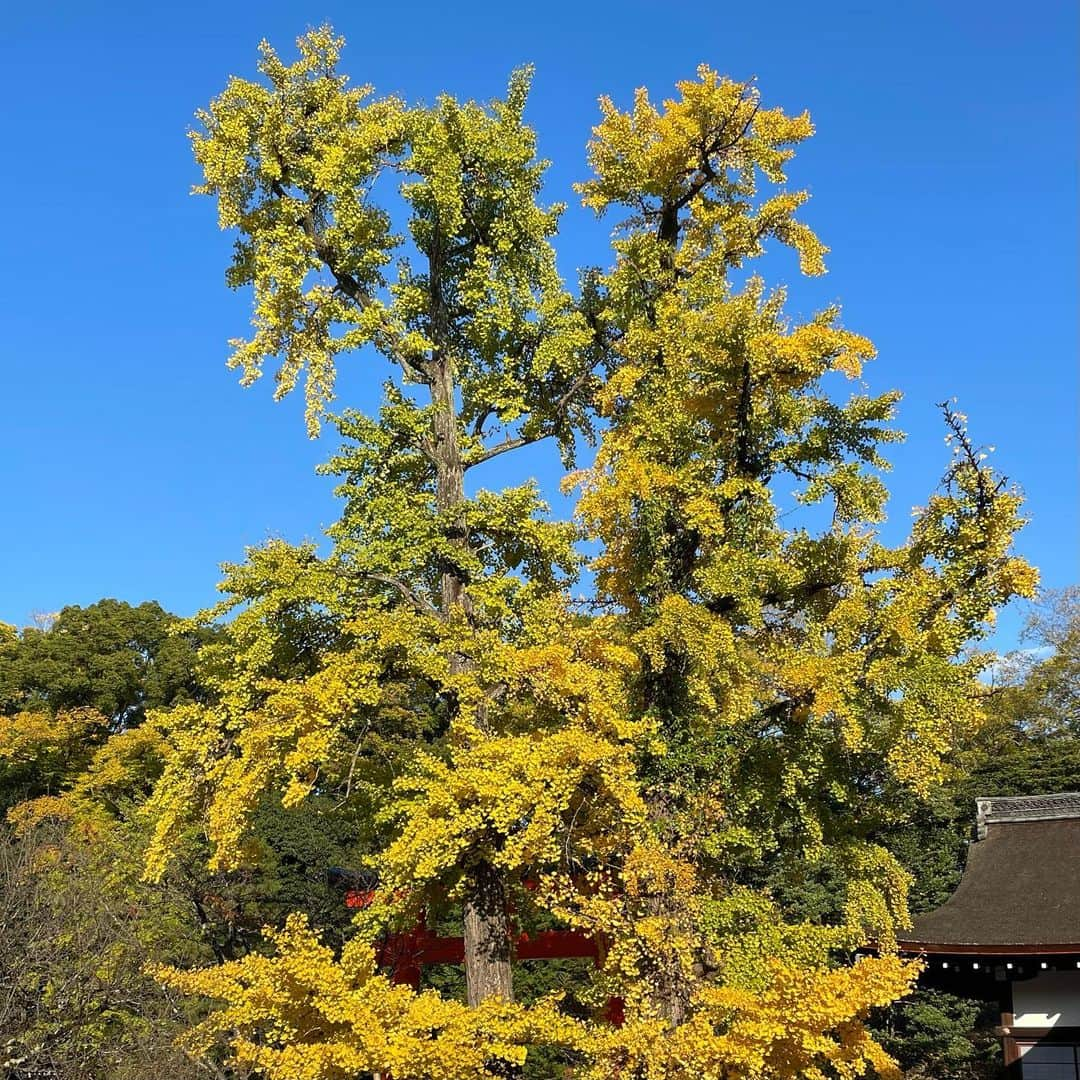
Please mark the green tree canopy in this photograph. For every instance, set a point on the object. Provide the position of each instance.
(116, 658)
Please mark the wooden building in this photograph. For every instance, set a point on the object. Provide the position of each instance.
(1011, 931)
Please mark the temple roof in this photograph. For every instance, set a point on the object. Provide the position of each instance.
(1020, 891)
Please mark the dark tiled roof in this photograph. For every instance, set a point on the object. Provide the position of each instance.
(1021, 885)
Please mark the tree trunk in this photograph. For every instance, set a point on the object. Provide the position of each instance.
(669, 989)
(487, 938)
(487, 922)
(449, 477)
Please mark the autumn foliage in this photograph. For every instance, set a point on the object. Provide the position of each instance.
(717, 676)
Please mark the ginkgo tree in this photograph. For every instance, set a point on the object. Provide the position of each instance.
(741, 690)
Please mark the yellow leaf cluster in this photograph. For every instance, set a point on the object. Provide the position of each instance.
(303, 1014)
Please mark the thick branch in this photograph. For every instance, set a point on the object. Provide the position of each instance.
(504, 447)
(347, 283)
(705, 169)
(419, 602)
(516, 443)
(668, 212)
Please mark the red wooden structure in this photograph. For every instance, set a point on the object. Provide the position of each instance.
(406, 953)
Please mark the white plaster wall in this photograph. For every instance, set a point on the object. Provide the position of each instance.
(1051, 999)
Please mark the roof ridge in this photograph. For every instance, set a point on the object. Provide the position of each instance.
(1009, 808)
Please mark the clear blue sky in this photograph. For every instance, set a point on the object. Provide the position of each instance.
(943, 174)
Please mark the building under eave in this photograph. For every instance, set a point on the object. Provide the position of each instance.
(1011, 931)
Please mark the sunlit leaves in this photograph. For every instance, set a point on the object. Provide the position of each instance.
(766, 673)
